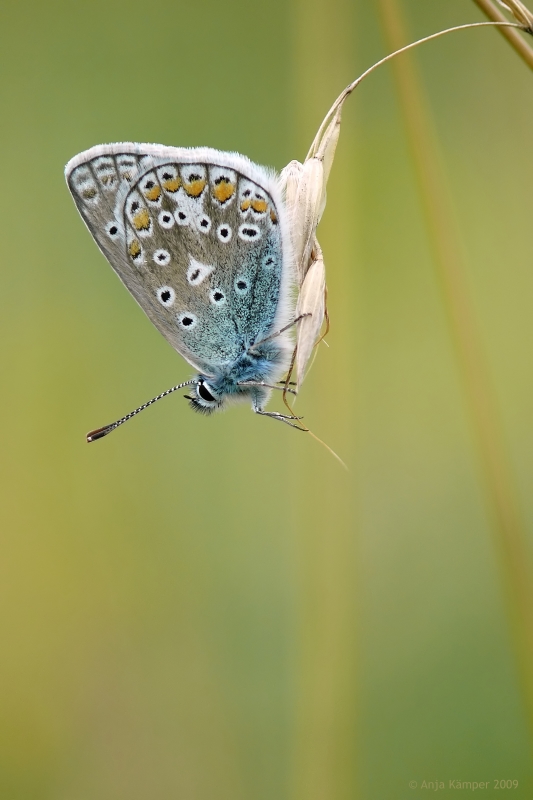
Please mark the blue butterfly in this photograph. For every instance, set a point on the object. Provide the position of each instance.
(200, 238)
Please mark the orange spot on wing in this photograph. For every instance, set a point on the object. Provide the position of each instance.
(141, 220)
(259, 206)
(134, 249)
(273, 217)
(172, 184)
(223, 190)
(153, 194)
(245, 205)
(195, 188)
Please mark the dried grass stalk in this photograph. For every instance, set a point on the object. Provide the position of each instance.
(519, 11)
(305, 191)
(512, 35)
(312, 301)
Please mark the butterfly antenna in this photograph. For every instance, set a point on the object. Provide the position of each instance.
(99, 433)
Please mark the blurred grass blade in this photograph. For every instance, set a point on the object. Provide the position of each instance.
(482, 405)
(323, 515)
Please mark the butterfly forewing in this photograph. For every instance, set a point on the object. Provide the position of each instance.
(195, 237)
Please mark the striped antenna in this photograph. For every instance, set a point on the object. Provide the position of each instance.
(99, 433)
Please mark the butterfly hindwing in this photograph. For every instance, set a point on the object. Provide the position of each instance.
(195, 236)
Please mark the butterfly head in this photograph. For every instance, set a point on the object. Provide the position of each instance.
(204, 397)
(240, 382)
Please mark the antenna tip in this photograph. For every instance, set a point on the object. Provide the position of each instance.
(99, 433)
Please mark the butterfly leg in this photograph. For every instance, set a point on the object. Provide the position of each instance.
(278, 333)
(266, 385)
(281, 418)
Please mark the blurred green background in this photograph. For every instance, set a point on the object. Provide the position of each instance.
(212, 608)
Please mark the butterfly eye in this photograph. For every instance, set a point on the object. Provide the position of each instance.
(203, 390)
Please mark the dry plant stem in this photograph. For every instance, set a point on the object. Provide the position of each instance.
(513, 37)
(349, 89)
(321, 155)
(333, 453)
(305, 195)
(507, 522)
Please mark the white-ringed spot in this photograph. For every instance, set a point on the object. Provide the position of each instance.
(161, 257)
(112, 230)
(198, 272)
(181, 217)
(249, 233)
(204, 224)
(217, 297)
(166, 296)
(224, 232)
(241, 286)
(165, 219)
(187, 320)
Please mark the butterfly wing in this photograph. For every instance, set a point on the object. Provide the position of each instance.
(196, 235)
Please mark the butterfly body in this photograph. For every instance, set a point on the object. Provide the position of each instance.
(199, 237)
(228, 383)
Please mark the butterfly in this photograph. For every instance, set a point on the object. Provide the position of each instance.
(201, 239)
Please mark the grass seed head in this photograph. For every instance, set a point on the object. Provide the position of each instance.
(312, 300)
(308, 207)
(520, 12)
